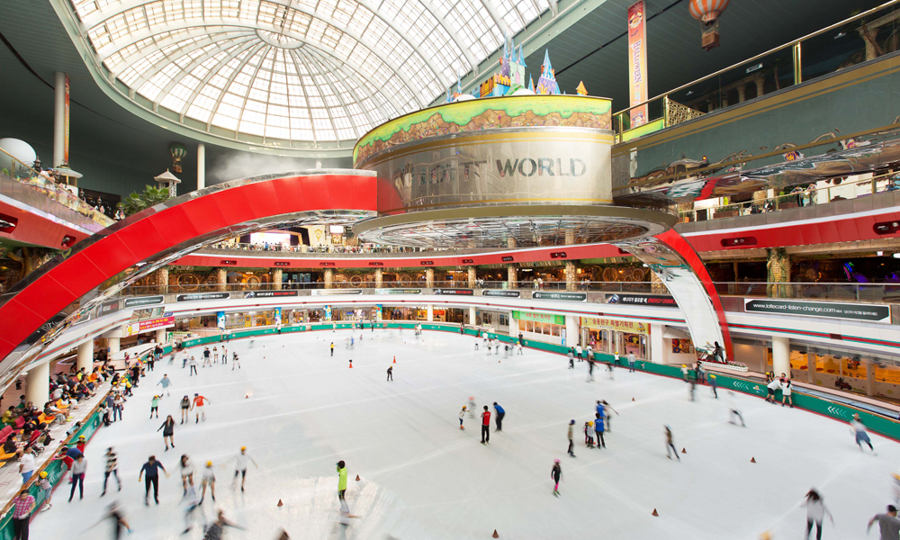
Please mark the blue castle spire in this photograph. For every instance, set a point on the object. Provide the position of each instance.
(547, 69)
(521, 56)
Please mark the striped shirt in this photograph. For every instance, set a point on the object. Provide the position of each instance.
(111, 461)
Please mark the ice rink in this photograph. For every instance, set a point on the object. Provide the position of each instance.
(424, 478)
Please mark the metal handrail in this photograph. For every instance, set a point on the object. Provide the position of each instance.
(763, 54)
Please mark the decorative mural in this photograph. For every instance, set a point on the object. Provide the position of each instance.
(483, 114)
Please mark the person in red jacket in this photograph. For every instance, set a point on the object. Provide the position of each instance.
(485, 426)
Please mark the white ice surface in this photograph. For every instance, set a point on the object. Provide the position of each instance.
(423, 478)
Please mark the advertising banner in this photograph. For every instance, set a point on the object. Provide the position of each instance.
(278, 316)
(398, 291)
(637, 62)
(602, 323)
(108, 307)
(269, 294)
(568, 296)
(220, 320)
(455, 292)
(642, 300)
(151, 324)
(66, 127)
(330, 292)
(538, 317)
(832, 310)
(498, 292)
(144, 301)
(202, 296)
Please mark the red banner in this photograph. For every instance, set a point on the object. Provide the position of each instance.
(637, 62)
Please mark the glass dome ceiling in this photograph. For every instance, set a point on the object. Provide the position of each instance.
(316, 72)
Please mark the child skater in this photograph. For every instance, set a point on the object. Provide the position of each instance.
(589, 434)
(462, 415)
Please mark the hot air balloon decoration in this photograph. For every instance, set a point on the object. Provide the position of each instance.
(178, 152)
(708, 13)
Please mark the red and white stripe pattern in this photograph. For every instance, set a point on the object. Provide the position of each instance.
(707, 10)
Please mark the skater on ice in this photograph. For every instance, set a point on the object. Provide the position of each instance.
(486, 426)
(555, 474)
(815, 513)
(670, 444)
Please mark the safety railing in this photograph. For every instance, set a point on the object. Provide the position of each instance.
(44, 183)
(857, 39)
(834, 190)
(331, 248)
(822, 291)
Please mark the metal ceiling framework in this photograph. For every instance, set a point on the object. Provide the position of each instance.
(322, 72)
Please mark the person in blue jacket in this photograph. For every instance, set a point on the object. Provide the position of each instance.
(598, 425)
(500, 414)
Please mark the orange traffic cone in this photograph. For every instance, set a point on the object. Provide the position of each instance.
(683, 451)
(351, 364)
(752, 460)
(495, 535)
(655, 513)
(395, 360)
(632, 399)
(280, 504)
(357, 478)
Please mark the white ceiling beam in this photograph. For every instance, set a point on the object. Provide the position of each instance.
(222, 46)
(212, 73)
(340, 98)
(234, 74)
(359, 74)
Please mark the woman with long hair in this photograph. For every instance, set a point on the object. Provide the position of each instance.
(815, 513)
(168, 429)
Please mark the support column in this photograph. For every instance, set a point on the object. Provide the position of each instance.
(37, 384)
(430, 316)
(781, 356)
(201, 166)
(85, 358)
(472, 315)
(870, 378)
(810, 367)
(760, 86)
(429, 278)
(570, 237)
(59, 120)
(329, 278)
(471, 270)
(162, 280)
(779, 271)
(571, 279)
(379, 278)
(511, 243)
(657, 353)
(277, 277)
(656, 285)
(161, 337)
(512, 278)
(742, 93)
(221, 279)
(573, 334)
(113, 344)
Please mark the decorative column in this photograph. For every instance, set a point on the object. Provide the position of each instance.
(570, 237)
(571, 280)
(379, 278)
(657, 353)
(781, 356)
(810, 367)
(60, 121)
(656, 285)
(277, 277)
(429, 278)
(471, 277)
(37, 384)
(511, 243)
(472, 315)
(329, 278)
(760, 86)
(779, 271)
(742, 93)
(85, 358)
(161, 336)
(201, 166)
(161, 280)
(572, 333)
(221, 279)
(113, 344)
(430, 317)
(512, 277)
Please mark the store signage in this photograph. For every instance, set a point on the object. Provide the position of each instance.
(499, 292)
(143, 301)
(508, 258)
(281, 263)
(398, 291)
(642, 300)
(543, 166)
(538, 317)
(228, 262)
(629, 327)
(142, 326)
(202, 296)
(568, 296)
(269, 294)
(637, 62)
(468, 261)
(831, 310)
(455, 292)
(329, 292)
(108, 307)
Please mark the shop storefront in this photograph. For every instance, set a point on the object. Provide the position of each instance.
(498, 320)
(404, 313)
(616, 336)
(541, 326)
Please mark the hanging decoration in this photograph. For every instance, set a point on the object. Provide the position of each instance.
(178, 151)
(708, 13)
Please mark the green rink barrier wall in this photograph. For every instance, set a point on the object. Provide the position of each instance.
(873, 422)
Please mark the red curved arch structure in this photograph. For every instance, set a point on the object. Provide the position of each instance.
(156, 235)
